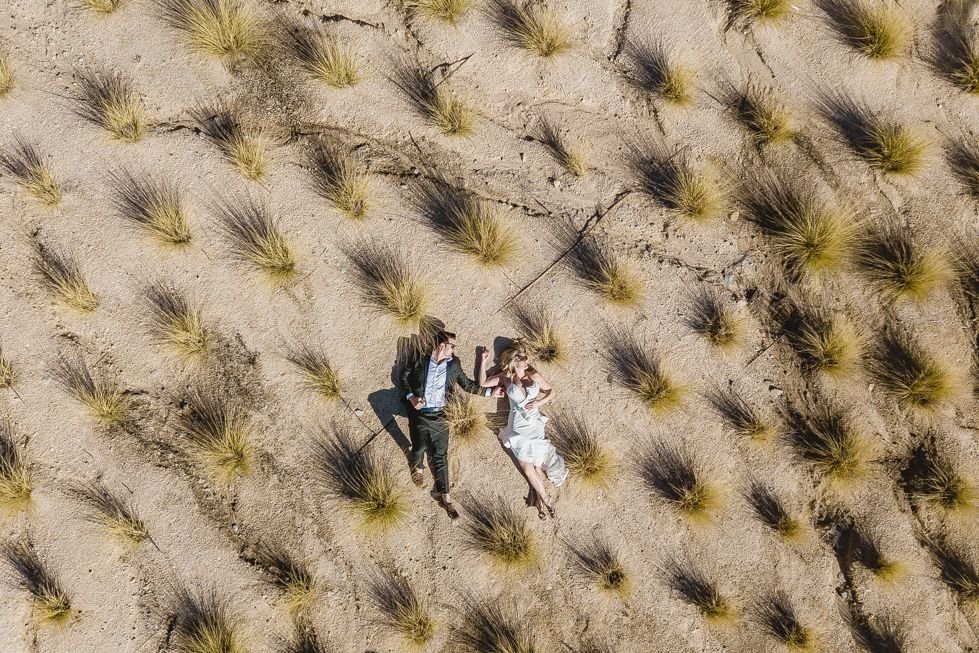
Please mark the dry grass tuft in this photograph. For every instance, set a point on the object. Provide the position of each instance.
(581, 447)
(8, 375)
(916, 380)
(433, 101)
(318, 373)
(16, 479)
(492, 627)
(304, 640)
(826, 438)
(113, 513)
(242, 147)
(597, 267)
(51, 602)
(881, 635)
(671, 471)
(871, 27)
(202, 624)
(572, 159)
(152, 205)
(466, 222)
(955, 53)
(531, 26)
(387, 282)
(714, 320)
(104, 7)
(360, 477)
(221, 28)
(884, 145)
(640, 371)
(324, 57)
(538, 333)
(810, 235)
(773, 512)
(402, 611)
(255, 237)
(60, 272)
(292, 577)
(32, 173)
(738, 414)
(600, 563)
(464, 418)
(762, 113)
(699, 590)
(174, 322)
(99, 394)
(759, 12)
(932, 476)
(218, 433)
(956, 570)
(777, 615)
(697, 194)
(110, 101)
(448, 11)
(826, 342)
(963, 158)
(496, 529)
(337, 180)
(900, 268)
(7, 79)
(656, 72)
(870, 555)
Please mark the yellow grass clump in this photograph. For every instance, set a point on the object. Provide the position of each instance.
(773, 512)
(217, 432)
(885, 145)
(901, 268)
(694, 193)
(672, 473)
(581, 447)
(871, 27)
(255, 237)
(760, 111)
(115, 514)
(825, 342)
(318, 373)
(99, 394)
(322, 56)
(402, 610)
(656, 72)
(932, 476)
(571, 158)
(103, 7)
(27, 166)
(955, 55)
(492, 627)
(110, 101)
(759, 12)
(715, 320)
(16, 478)
(464, 418)
(601, 564)
(868, 552)
(779, 618)
(916, 380)
(293, 578)
(7, 373)
(155, 206)
(738, 414)
(597, 267)
(51, 602)
(466, 222)
(963, 158)
(176, 323)
(812, 236)
(433, 100)
(360, 478)
(337, 179)
(539, 333)
(496, 529)
(221, 28)
(387, 282)
(203, 624)
(6, 75)
(641, 372)
(242, 147)
(826, 438)
(447, 11)
(61, 274)
(699, 590)
(531, 26)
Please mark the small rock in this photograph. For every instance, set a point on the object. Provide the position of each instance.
(870, 388)
(359, 412)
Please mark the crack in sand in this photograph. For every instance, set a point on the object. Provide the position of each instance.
(620, 30)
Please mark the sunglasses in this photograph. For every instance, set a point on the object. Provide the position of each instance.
(521, 357)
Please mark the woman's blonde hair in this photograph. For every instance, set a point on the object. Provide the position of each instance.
(509, 356)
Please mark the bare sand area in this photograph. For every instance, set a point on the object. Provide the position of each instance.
(739, 237)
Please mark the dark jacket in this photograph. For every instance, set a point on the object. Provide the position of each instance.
(413, 376)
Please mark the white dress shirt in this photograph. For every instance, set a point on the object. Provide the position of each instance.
(435, 381)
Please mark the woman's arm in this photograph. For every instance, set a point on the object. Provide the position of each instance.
(492, 381)
(546, 392)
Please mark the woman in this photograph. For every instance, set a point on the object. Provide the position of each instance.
(524, 435)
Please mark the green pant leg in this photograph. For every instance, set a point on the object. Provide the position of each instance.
(438, 442)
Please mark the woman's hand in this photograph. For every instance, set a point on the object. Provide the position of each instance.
(485, 356)
(530, 405)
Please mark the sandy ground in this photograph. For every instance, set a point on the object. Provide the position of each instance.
(201, 528)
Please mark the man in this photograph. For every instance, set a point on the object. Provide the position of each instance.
(426, 384)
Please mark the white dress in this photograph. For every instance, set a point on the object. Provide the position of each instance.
(524, 434)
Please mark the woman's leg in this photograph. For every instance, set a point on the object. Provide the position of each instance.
(536, 481)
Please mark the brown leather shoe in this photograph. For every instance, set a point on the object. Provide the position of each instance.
(450, 508)
(417, 477)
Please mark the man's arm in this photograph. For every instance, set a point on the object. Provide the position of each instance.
(404, 386)
(467, 384)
